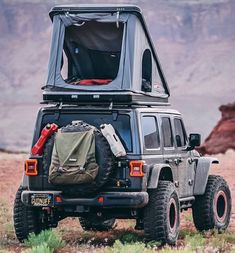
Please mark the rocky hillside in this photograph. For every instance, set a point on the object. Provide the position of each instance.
(222, 136)
(195, 40)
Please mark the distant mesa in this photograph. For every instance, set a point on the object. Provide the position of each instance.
(222, 136)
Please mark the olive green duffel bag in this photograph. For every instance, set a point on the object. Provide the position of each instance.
(73, 158)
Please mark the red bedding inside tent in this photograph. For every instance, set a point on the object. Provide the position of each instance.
(92, 82)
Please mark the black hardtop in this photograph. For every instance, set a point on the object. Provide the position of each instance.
(95, 8)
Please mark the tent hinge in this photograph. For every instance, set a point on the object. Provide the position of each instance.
(57, 113)
(111, 106)
(117, 19)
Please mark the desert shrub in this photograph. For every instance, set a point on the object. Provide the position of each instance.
(129, 237)
(43, 248)
(186, 232)
(138, 247)
(153, 244)
(228, 237)
(219, 244)
(172, 250)
(119, 247)
(188, 217)
(195, 241)
(48, 237)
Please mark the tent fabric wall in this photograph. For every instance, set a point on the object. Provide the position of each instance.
(141, 43)
(60, 22)
(134, 42)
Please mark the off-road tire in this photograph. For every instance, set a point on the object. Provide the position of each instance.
(213, 209)
(96, 225)
(104, 159)
(25, 218)
(162, 214)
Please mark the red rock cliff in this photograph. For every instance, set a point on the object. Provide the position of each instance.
(222, 136)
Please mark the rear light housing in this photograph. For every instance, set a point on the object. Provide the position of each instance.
(136, 168)
(58, 199)
(100, 200)
(31, 167)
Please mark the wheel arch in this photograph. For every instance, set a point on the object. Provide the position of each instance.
(202, 173)
(159, 172)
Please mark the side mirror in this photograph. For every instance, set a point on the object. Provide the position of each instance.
(194, 140)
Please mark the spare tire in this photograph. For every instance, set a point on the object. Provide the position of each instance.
(103, 154)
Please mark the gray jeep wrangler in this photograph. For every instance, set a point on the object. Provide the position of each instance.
(103, 69)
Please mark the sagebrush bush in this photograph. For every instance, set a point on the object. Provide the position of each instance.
(119, 247)
(129, 237)
(195, 241)
(43, 248)
(172, 250)
(49, 237)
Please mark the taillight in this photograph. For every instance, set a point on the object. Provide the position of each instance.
(136, 169)
(58, 199)
(100, 200)
(31, 167)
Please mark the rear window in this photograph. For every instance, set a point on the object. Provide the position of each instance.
(150, 132)
(93, 51)
(167, 132)
(120, 122)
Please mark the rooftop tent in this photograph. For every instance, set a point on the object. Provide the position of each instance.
(103, 51)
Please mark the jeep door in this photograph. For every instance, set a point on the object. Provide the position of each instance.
(185, 168)
(168, 146)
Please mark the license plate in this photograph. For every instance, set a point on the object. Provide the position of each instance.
(42, 199)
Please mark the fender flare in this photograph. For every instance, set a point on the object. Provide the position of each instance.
(25, 181)
(154, 174)
(202, 173)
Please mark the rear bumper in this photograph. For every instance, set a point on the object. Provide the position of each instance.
(105, 199)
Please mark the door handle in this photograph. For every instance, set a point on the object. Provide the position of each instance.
(178, 161)
(168, 161)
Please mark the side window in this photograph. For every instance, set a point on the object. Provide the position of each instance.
(180, 135)
(150, 132)
(147, 71)
(167, 132)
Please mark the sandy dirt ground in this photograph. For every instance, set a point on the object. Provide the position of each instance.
(11, 170)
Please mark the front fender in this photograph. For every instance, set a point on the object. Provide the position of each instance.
(201, 174)
(154, 174)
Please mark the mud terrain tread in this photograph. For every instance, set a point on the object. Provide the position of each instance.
(203, 216)
(25, 221)
(155, 213)
(88, 225)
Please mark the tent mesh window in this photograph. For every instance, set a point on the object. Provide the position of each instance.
(147, 71)
(93, 52)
